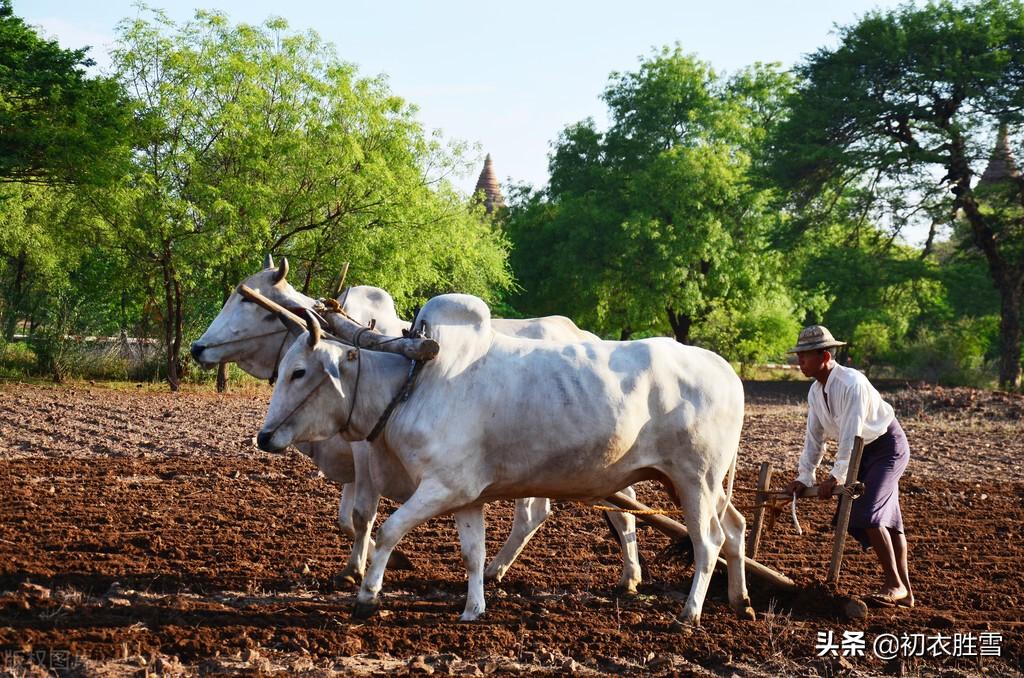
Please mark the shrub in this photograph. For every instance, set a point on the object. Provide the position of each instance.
(870, 344)
(960, 354)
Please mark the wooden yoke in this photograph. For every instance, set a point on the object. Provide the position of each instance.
(845, 505)
(350, 333)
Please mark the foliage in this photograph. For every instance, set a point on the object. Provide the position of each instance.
(728, 211)
(52, 345)
(960, 354)
(872, 341)
(56, 124)
(761, 332)
(654, 223)
(902, 115)
(256, 139)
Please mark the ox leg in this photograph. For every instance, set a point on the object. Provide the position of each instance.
(429, 500)
(529, 516)
(707, 536)
(734, 526)
(348, 492)
(472, 536)
(364, 513)
(625, 527)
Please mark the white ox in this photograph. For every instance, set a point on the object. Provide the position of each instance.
(246, 334)
(498, 417)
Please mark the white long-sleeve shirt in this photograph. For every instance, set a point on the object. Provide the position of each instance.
(854, 408)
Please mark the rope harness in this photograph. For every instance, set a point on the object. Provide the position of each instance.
(333, 306)
(277, 358)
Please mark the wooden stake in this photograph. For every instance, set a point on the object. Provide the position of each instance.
(675, 530)
(845, 505)
(764, 480)
(341, 280)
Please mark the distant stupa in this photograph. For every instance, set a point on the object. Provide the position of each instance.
(1000, 164)
(488, 185)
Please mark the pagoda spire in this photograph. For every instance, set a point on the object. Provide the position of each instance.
(1001, 164)
(488, 185)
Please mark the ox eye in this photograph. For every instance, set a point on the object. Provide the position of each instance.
(298, 374)
(246, 300)
(269, 317)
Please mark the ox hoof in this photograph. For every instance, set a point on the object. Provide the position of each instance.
(626, 591)
(363, 610)
(467, 617)
(746, 614)
(683, 628)
(684, 625)
(346, 580)
(400, 561)
(744, 610)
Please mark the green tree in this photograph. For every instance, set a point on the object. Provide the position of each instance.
(257, 139)
(757, 332)
(654, 224)
(903, 113)
(56, 124)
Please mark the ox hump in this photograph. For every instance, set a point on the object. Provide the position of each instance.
(461, 325)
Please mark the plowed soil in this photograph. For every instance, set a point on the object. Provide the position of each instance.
(142, 531)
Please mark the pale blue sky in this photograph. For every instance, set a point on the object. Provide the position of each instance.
(507, 76)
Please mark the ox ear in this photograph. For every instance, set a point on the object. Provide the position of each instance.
(313, 325)
(282, 270)
(268, 261)
(334, 372)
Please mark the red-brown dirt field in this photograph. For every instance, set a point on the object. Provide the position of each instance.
(142, 532)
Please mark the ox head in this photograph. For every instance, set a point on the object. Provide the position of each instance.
(311, 397)
(247, 334)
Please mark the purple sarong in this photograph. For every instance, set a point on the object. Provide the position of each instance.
(881, 466)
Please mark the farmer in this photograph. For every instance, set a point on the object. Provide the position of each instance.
(843, 404)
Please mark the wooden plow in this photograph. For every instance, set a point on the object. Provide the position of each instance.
(675, 530)
(755, 569)
(846, 496)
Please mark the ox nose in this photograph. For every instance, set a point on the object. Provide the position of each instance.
(263, 441)
(197, 351)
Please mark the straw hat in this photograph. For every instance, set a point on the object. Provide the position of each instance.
(814, 338)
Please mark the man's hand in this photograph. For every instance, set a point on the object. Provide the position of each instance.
(825, 488)
(795, 487)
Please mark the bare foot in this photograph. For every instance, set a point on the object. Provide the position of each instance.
(892, 596)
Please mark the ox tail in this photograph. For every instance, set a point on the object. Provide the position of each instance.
(730, 479)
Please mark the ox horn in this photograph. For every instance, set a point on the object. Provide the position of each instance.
(314, 328)
(268, 261)
(282, 270)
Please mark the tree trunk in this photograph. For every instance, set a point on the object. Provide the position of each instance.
(169, 322)
(681, 325)
(222, 369)
(15, 298)
(178, 323)
(308, 279)
(1007, 275)
(625, 334)
(1010, 293)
